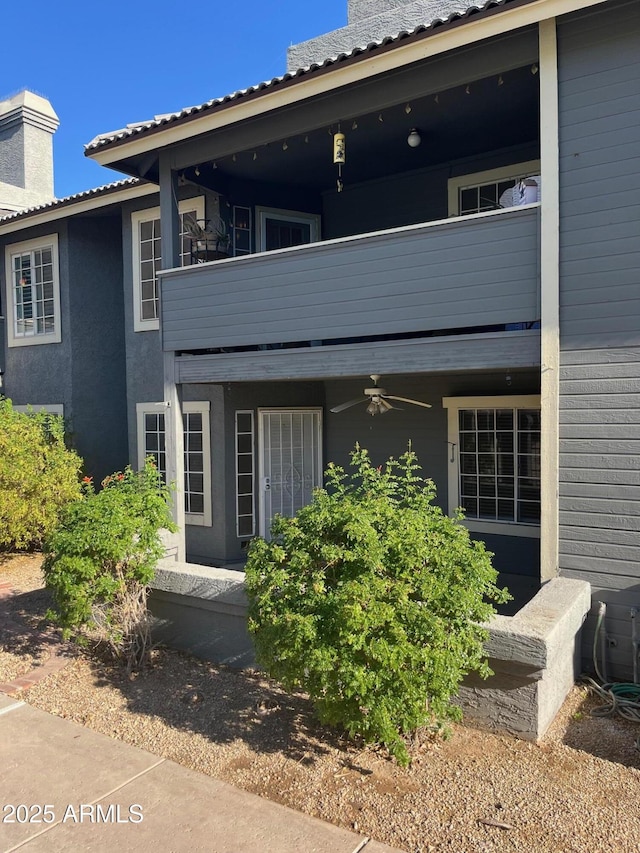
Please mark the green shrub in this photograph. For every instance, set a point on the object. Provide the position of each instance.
(38, 476)
(102, 556)
(370, 600)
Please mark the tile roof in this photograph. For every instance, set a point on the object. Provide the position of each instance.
(71, 199)
(452, 12)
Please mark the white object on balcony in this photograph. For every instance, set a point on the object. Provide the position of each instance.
(526, 191)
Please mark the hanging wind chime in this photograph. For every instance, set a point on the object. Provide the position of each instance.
(339, 155)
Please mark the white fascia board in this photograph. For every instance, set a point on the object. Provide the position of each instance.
(81, 206)
(436, 43)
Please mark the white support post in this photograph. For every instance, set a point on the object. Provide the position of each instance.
(174, 431)
(549, 299)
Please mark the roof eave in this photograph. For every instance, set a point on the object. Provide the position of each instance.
(500, 17)
(83, 202)
(126, 143)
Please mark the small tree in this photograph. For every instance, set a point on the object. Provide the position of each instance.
(370, 600)
(39, 475)
(102, 556)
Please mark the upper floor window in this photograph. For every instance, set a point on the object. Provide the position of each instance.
(147, 258)
(482, 191)
(494, 464)
(33, 292)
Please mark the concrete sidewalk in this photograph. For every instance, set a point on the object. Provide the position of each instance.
(103, 795)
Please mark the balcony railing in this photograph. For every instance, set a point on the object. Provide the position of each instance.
(472, 271)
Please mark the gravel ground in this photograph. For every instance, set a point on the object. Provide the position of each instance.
(478, 792)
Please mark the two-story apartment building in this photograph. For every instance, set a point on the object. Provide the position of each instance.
(476, 246)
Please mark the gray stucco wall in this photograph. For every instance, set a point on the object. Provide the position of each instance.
(38, 156)
(41, 374)
(599, 66)
(97, 343)
(12, 155)
(144, 367)
(85, 371)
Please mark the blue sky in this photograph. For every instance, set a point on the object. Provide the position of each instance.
(103, 65)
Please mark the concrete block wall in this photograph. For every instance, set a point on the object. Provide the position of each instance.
(535, 654)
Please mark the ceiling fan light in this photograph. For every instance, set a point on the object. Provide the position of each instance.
(372, 408)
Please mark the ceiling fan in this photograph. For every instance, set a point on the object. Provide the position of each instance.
(378, 400)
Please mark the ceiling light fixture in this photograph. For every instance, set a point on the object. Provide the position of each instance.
(414, 139)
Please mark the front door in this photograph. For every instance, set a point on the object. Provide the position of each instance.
(290, 443)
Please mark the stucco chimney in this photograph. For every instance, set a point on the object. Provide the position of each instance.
(27, 125)
(371, 20)
(359, 9)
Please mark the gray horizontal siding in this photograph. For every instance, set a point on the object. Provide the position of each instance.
(492, 351)
(599, 71)
(599, 484)
(455, 274)
(617, 627)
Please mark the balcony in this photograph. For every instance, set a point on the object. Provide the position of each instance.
(470, 272)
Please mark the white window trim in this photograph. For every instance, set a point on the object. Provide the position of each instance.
(264, 213)
(453, 405)
(55, 337)
(137, 217)
(504, 173)
(200, 407)
(49, 408)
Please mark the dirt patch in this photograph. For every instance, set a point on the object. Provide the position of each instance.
(475, 793)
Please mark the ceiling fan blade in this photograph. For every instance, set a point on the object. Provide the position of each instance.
(407, 400)
(348, 405)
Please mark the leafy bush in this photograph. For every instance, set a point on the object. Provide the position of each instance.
(370, 600)
(102, 556)
(38, 476)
